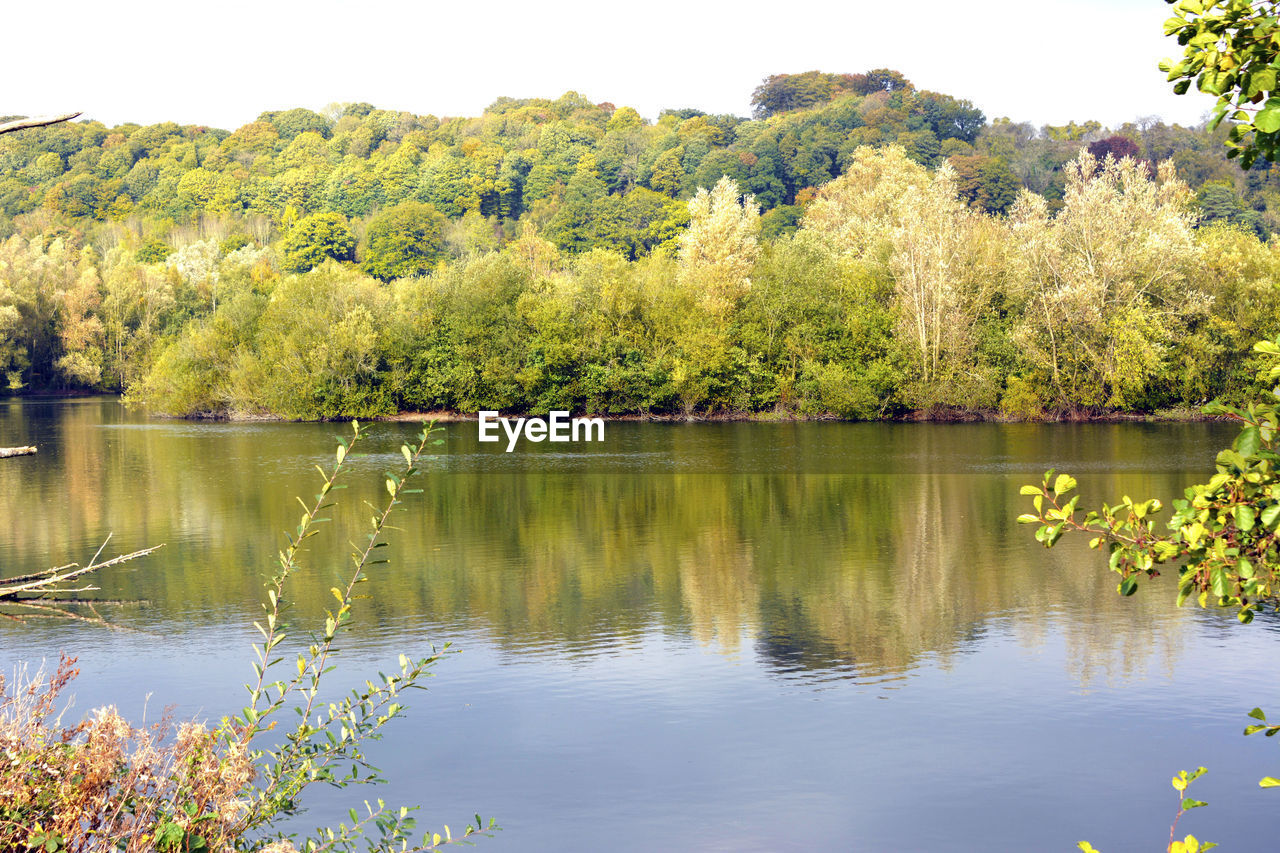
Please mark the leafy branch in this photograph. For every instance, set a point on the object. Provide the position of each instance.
(325, 736)
(1230, 50)
(1224, 535)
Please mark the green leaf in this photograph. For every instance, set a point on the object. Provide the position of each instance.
(1267, 121)
(1257, 714)
(1261, 81)
(1029, 490)
(1269, 782)
(1244, 515)
(1218, 582)
(1063, 484)
(1249, 440)
(1188, 803)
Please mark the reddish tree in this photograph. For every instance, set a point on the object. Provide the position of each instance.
(1118, 147)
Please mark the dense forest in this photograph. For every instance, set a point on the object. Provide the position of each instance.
(856, 248)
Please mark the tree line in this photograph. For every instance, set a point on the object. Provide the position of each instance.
(859, 249)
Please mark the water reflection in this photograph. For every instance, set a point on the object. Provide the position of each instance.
(695, 637)
(830, 550)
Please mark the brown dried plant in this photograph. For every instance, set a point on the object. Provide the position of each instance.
(104, 784)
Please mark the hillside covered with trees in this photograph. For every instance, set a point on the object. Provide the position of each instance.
(857, 248)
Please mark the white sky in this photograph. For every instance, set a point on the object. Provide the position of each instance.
(220, 64)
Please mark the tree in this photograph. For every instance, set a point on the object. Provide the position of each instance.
(291, 123)
(1230, 50)
(986, 183)
(780, 93)
(153, 251)
(1219, 202)
(1107, 281)
(667, 172)
(947, 117)
(405, 240)
(717, 254)
(1117, 147)
(316, 238)
(720, 246)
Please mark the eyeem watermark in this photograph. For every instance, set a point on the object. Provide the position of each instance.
(557, 427)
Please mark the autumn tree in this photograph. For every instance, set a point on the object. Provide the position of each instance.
(946, 263)
(720, 246)
(1116, 147)
(1107, 281)
(716, 255)
(985, 183)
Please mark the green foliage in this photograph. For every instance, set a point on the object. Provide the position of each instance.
(316, 238)
(986, 183)
(403, 241)
(1224, 532)
(516, 160)
(1220, 202)
(1004, 313)
(1230, 50)
(153, 251)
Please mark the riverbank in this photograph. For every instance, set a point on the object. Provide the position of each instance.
(937, 415)
(1175, 415)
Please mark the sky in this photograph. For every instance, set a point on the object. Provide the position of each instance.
(146, 61)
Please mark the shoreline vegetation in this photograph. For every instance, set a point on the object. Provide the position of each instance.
(859, 249)
(1182, 414)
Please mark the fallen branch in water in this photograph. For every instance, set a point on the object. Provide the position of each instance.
(44, 594)
(6, 452)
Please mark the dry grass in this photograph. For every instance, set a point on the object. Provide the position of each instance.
(106, 785)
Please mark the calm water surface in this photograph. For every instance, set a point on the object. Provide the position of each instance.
(690, 637)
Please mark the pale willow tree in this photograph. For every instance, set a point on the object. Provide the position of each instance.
(198, 265)
(81, 332)
(717, 253)
(49, 298)
(719, 248)
(946, 263)
(139, 300)
(1107, 281)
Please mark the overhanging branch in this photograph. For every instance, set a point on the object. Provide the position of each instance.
(41, 121)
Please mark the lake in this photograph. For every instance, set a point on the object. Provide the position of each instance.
(702, 637)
